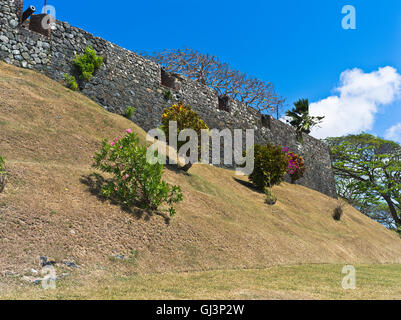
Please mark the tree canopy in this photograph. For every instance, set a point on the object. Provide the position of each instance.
(368, 174)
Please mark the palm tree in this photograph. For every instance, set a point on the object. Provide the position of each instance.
(300, 118)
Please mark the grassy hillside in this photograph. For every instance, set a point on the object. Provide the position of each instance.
(50, 206)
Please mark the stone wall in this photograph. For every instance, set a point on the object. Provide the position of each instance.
(128, 79)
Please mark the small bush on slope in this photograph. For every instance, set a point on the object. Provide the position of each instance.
(2, 174)
(296, 165)
(271, 165)
(71, 82)
(186, 118)
(338, 211)
(88, 63)
(129, 112)
(136, 182)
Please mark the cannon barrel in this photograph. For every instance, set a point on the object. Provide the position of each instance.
(27, 13)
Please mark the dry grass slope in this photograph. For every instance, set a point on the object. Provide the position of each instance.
(47, 135)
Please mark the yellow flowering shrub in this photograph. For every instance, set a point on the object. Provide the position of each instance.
(186, 118)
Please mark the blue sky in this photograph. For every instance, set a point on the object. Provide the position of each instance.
(300, 46)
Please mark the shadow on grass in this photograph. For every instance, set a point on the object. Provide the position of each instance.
(248, 184)
(95, 182)
(176, 169)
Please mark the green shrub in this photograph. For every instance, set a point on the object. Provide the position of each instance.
(2, 174)
(135, 181)
(129, 112)
(168, 95)
(71, 82)
(271, 164)
(186, 119)
(88, 63)
(296, 165)
(2, 165)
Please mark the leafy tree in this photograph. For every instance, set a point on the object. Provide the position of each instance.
(300, 118)
(368, 174)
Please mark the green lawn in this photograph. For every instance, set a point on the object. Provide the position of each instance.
(285, 282)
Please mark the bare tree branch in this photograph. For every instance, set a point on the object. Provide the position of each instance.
(208, 70)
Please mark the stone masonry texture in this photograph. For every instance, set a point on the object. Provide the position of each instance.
(128, 79)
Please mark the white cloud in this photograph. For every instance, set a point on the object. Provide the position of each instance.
(360, 94)
(394, 133)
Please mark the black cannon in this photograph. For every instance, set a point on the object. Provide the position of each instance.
(27, 13)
